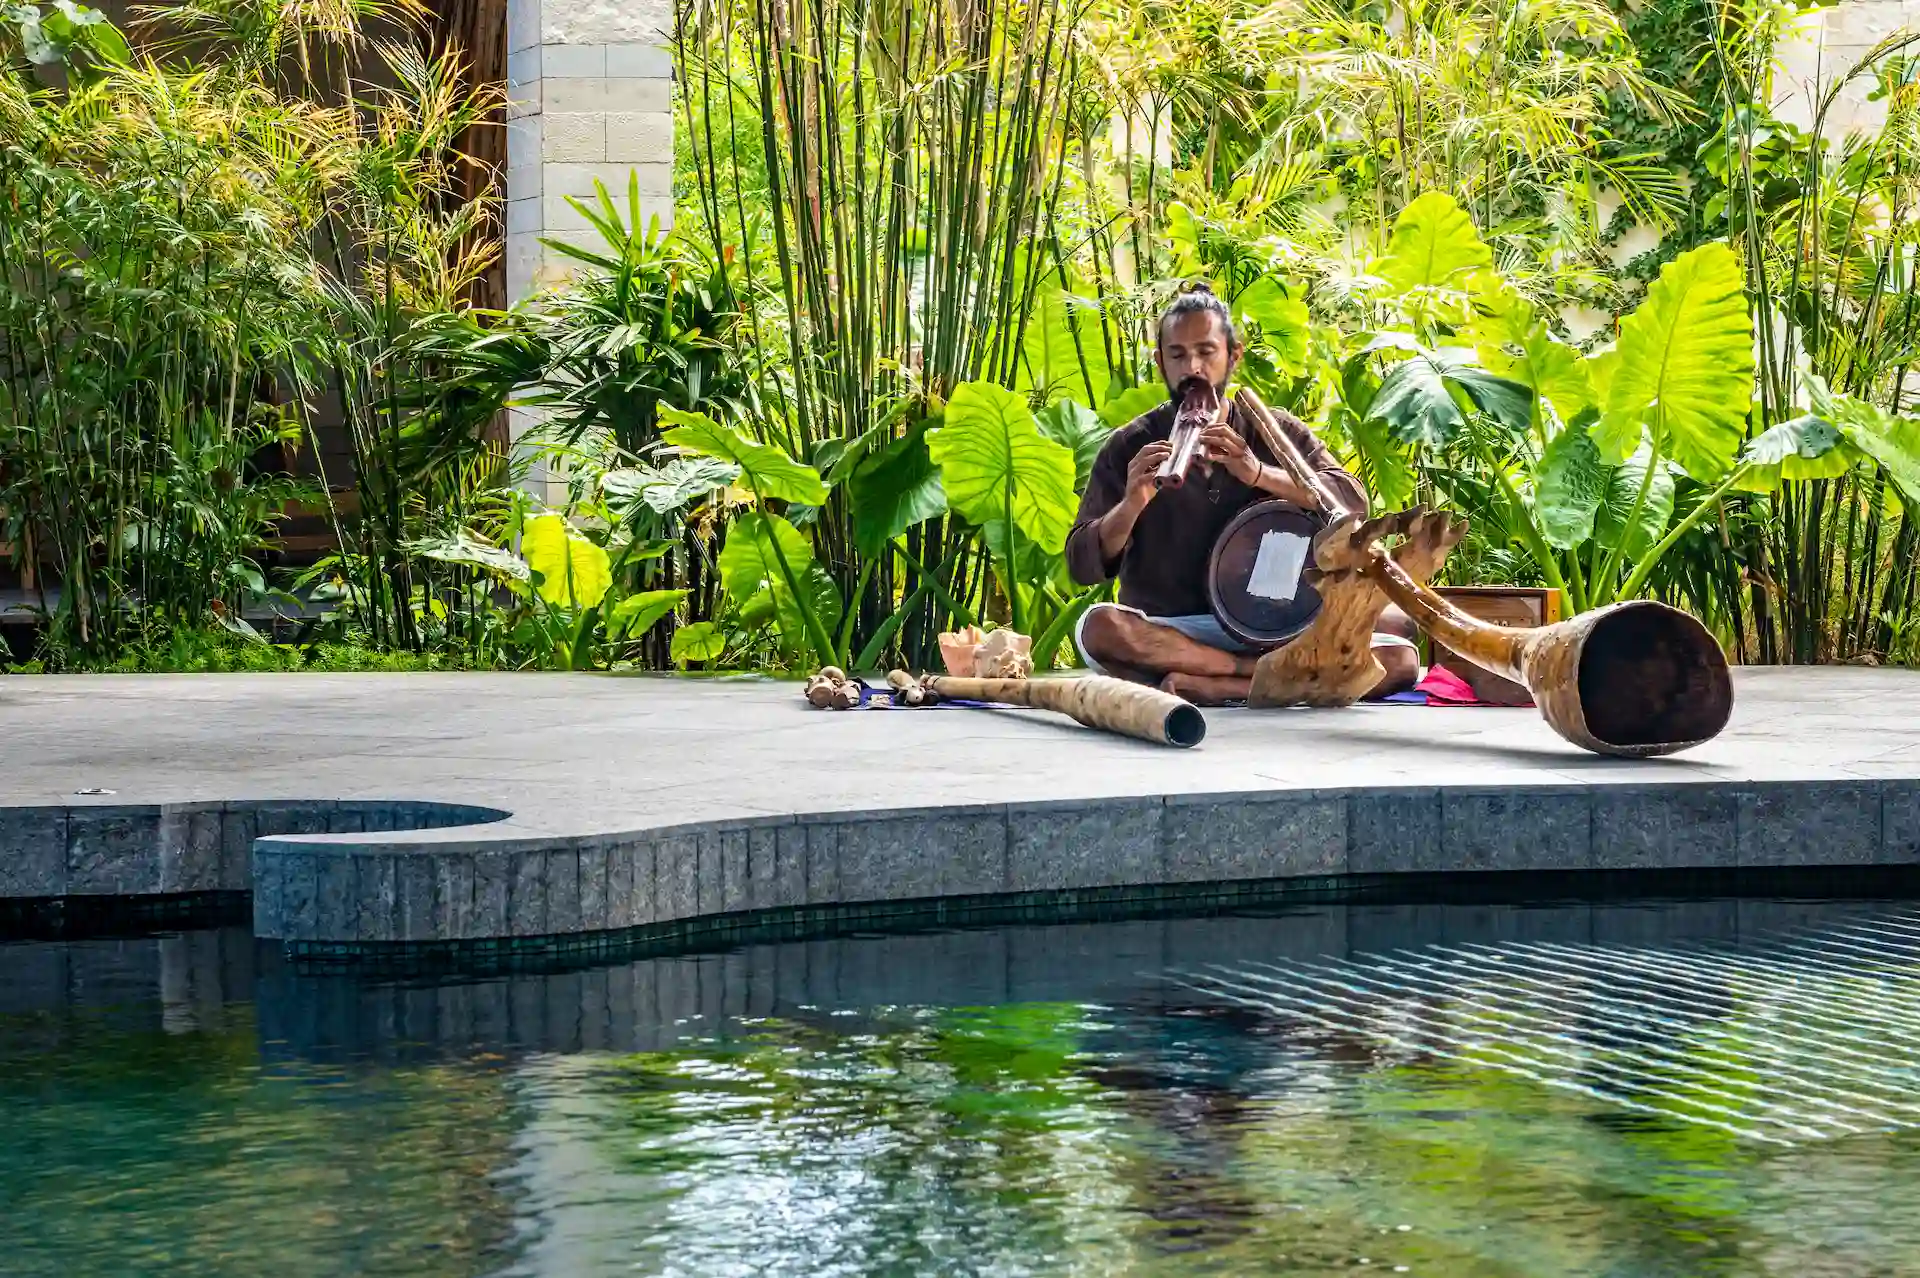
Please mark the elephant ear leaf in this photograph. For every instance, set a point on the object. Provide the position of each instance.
(770, 473)
(1807, 447)
(893, 490)
(1569, 486)
(995, 464)
(1063, 351)
(1893, 442)
(1618, 523)
(1285, 328)
(1420, 398)
(1079, 428)
(1434, 245)
(751, 571)
(1135, 401)
(635, 615)
(1685, 364)
(573, 571)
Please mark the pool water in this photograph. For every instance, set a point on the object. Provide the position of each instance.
(1636, 1088)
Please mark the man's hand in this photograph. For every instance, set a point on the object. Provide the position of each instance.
(1222, 443)
(1140, 472)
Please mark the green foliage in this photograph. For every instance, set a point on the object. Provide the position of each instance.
(996, 465)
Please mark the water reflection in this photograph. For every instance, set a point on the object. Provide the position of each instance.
(1057, 1100)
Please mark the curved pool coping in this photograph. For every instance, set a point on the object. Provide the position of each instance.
(471, 886)
(340, 877)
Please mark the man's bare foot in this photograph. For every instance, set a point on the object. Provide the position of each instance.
(1207, 690)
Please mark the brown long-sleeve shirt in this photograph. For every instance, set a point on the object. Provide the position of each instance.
(1163, 571)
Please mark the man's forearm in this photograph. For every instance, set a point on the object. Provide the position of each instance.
(1275, 481)
(1116, 529)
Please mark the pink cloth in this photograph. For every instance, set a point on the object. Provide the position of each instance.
(1444, 687)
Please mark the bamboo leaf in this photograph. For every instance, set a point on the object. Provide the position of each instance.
(768, 472)
(996, 464)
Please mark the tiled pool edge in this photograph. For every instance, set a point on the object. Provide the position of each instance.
(335, 896)
(335, 879)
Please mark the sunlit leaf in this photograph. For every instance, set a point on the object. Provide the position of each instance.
(1133, 403)
(1434, 245)
(770, 473)
(701, 641)
(466, 548)
(1285, 327)
(1686, 364)
(1619, 522)
(751, 568)
(637, 614)
(1079, 428)
(668, 488)
(574, 572)
(995, 464)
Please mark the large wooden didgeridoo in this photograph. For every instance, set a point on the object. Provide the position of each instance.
(1634, 679)
(1115, 705)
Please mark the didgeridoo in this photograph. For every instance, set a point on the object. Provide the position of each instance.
(1635, 679)
(1114, 705)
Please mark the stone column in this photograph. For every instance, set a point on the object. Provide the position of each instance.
(589, 89)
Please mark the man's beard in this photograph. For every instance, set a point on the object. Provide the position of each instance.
(1177, 391)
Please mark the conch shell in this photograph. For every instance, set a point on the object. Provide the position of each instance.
(1004, 654)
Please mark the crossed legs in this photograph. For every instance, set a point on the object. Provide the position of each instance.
(1131, 646)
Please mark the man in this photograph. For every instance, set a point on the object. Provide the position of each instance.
(1158, 543)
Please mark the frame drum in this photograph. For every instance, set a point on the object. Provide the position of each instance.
(1254, 578)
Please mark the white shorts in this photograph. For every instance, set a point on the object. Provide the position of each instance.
(1201, 628)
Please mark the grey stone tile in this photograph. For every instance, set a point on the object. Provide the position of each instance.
(621, 901)
(492, 871)
(788, 876)
(1810, 823)
(113, 850)
(198, 866)
(419, 915)
(300, 893)
(1900, 821)
(823, 863)
(1653, 827)
(736, 870)
(1098, 843)
(1389, 830)
(237, 832)
(1255, 837)
(291, 817)
(1544, 829)
(593, 887)
(33, 851)
(453, 894)
(337, 898)
(379, 878)
(763, 863)
(563, 892)
(710, 886)
(269, 919)
(677, 877)
(909, 857)
(346, 818)
(527, 895)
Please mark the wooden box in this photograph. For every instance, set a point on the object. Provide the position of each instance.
(1520, 606)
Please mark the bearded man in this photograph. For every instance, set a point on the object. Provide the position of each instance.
(1158, 542)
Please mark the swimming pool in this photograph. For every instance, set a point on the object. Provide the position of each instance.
(1642, 1087)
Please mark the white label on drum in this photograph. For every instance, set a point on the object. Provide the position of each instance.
(1276, 569)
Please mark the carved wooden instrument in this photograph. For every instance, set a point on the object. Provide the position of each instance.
(1634, 679)
(1199, 407)
(1115, 705)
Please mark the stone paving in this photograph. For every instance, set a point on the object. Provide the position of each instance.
(635, 801)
